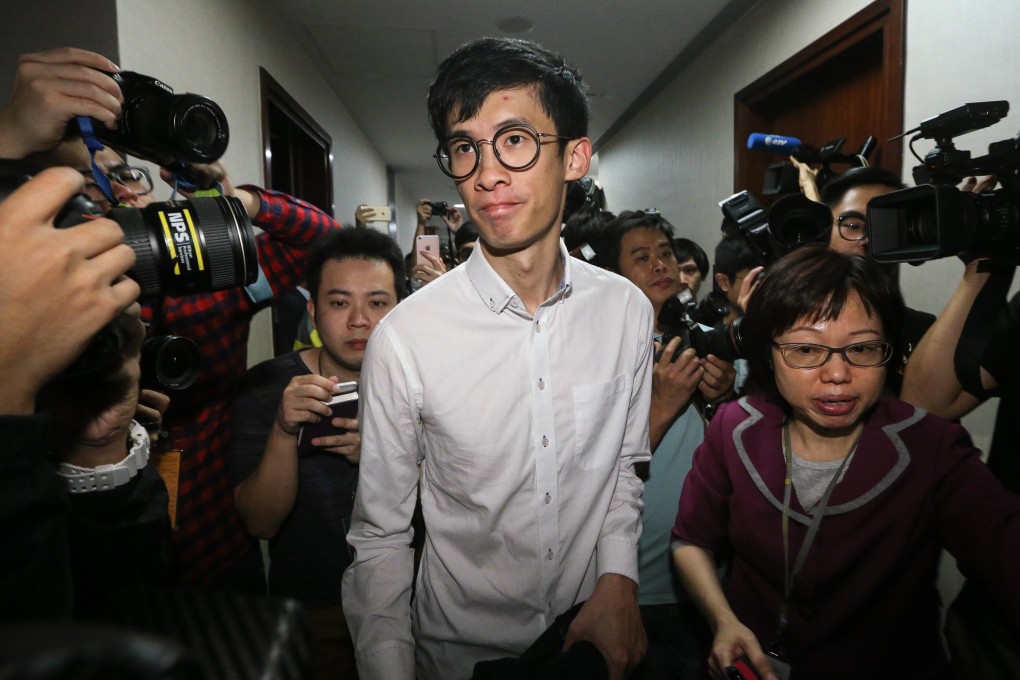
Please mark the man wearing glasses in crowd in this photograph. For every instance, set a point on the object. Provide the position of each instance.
(518, 386)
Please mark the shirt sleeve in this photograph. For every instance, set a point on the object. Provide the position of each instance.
(377, 586)
(618, 543)
(253, 411)
(291, 226)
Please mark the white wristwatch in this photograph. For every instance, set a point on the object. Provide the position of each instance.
(106, 477)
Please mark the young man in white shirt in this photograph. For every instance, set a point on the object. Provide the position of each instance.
(517, 388)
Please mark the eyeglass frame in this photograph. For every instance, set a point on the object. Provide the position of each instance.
(476, 143)
(857, 215)
(886, 345)
(112, 178)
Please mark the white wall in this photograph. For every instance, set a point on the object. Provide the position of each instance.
(215, 49)
(677, 155)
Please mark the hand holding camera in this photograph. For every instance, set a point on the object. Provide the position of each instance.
(60, 287)
(50, 89)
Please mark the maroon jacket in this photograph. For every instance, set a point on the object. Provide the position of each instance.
(865, 604)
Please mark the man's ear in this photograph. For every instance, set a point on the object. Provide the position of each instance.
(722, 281)
(310, 306)
(578, 158)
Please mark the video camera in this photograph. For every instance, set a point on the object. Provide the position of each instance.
(784, 178)
(794, 221)
(935, 219)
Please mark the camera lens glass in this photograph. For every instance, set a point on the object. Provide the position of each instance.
(169, 361)
(199, 127)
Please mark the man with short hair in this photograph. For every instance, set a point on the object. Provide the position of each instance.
(847, 196)
(520, 382)
(692, 263)
(734, 259)
(302, 503)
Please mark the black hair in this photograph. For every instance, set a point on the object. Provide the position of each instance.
(359, 243)
(626, 221)
(732, 254)
(586, 225)
(814, 283)
(466, 233)
(686, 249)
(836, 188)
(479, 68)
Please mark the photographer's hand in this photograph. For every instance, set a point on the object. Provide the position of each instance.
(424, 211)
(427, 273)
(673, 384)
(747, 287)
(717, 382)
(453, 219)
(807, 177)
(347, 444)
(50, 88)
(363, 215)
(60, 287)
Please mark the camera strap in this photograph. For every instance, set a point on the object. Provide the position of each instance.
(94, 145)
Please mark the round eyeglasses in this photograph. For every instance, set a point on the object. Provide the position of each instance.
(516, 147)
(852, 226)
(861, 354)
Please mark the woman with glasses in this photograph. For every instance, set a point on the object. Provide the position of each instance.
(833, 501)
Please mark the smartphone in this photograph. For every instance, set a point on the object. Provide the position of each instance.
(382, 213)
(343, 405)
(426, 243)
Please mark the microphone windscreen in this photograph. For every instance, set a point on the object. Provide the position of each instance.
(760, 141)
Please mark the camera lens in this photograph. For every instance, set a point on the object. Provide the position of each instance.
(169, 361)
(190, 246)
(197, 128)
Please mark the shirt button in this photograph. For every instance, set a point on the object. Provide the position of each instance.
(548, 499)
(545, 441)
(513, 303)
(541, 384)
(549, 555)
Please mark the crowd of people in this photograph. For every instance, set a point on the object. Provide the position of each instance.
(560, 465)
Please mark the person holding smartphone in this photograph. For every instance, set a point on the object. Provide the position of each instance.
(301, 500)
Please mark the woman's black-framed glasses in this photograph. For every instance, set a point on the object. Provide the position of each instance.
(516, 147)
(861, 354)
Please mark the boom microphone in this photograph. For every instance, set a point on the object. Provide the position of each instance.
(772, 143)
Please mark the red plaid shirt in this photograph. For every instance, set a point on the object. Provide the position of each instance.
(209, 535)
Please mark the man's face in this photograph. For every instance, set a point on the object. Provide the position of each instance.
(690, 276)
(731, 287)
(647, 260)
(514, 209)
(852, 212)
(353, 295)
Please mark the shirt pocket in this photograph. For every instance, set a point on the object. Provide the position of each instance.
(600, 420)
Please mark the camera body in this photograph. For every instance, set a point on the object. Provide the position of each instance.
(935, 219)
(162, 127)
(439, 208)
(681, 316)
(794, 221)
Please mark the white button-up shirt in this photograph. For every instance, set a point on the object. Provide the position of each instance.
(526, 429)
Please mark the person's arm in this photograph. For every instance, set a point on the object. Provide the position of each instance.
(807, 178)
(673, 383)
(929, 379)
(718, 380)
(427, 273)
(732, 639)
(266, 497)
(377, 585)
(610, 619)
(51, 88)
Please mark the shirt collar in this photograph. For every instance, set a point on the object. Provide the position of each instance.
(496, 294)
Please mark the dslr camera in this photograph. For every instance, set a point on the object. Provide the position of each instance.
(681, 316)
(182, 247)
(162, 127)
(439, 208)
(935, 219)
(794, 221)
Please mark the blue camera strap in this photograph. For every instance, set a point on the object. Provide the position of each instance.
(94, 145)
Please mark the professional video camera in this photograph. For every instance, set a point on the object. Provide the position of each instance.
(165, 128)
(783, 178)
(181, 247)
(935, 219)
(794, 221)
(680, 316)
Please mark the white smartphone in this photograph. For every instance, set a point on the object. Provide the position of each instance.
(426, 243)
